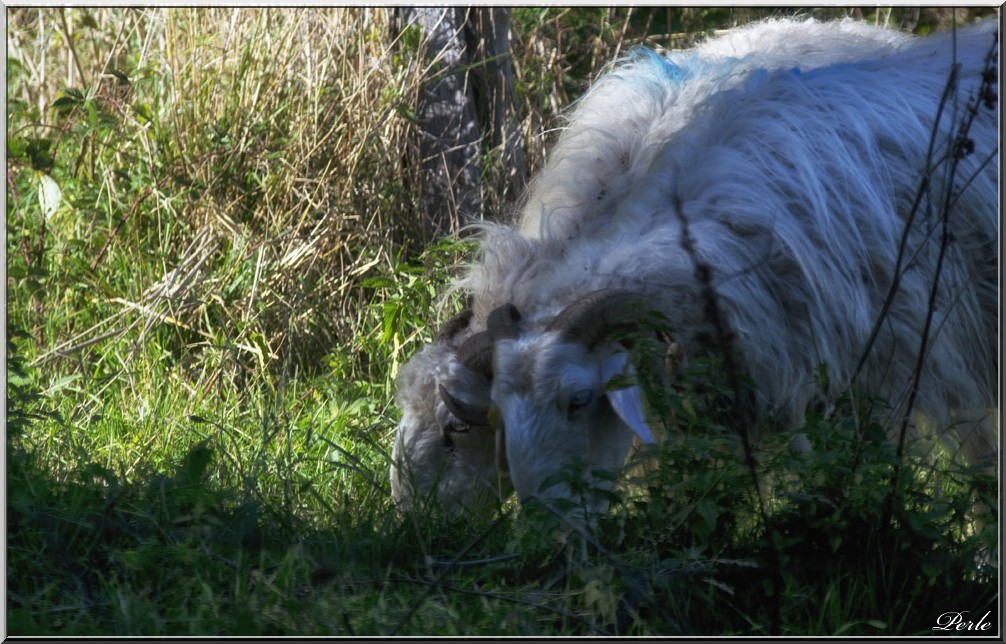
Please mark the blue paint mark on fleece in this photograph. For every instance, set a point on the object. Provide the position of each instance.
(650, 62)
(677, 68)
(647, 69)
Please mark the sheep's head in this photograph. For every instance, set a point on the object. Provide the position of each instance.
(444, 446)
(559, 399)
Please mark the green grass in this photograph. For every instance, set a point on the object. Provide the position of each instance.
(203, 332)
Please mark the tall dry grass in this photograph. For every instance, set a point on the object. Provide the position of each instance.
(265, 151)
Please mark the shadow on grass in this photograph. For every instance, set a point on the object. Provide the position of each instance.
(683, 551)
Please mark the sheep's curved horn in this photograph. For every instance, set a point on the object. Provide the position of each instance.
(477, 353)
(454, 326)
(597, 315)
(471, 413)
(502, 322)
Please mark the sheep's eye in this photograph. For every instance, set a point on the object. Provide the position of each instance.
(454, 426)
(580, 400)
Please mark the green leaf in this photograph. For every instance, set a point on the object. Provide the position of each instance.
(378, 282)
(120, 75)
(38, 150)
(64, 101)
(708, 511)
(92, 113)
(16, 147)
(407, 112)
(68, 98)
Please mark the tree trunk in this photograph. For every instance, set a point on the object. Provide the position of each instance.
(467, 99)
(491, 44)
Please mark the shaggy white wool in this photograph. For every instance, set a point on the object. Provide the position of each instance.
(461, 474)
(793, 151)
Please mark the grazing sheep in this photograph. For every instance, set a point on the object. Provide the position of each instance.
(787, 167)
(435, 450)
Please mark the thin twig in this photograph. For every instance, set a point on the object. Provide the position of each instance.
(724, 340)
(957, 153)
(474, 562)
(73, 50)
(922, 190)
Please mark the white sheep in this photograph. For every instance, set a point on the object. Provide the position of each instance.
(792, 153)
(436, 450)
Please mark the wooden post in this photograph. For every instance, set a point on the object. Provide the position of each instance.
(466, 102)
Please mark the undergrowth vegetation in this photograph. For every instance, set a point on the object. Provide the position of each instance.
(217, 261)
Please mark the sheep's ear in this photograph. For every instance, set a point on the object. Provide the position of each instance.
(628, 401)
